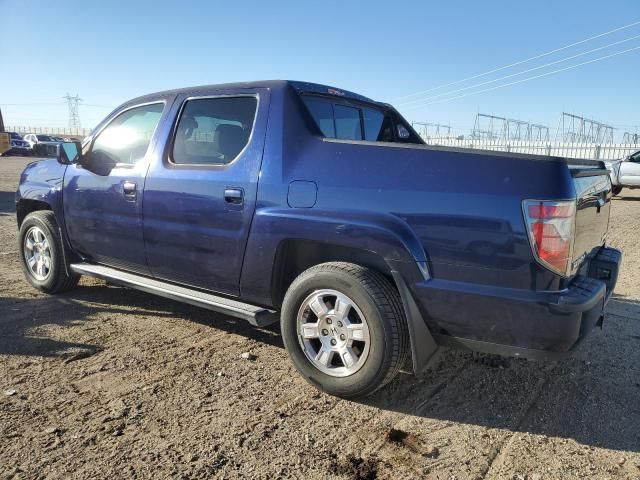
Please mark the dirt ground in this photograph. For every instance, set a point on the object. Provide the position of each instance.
(105, 382)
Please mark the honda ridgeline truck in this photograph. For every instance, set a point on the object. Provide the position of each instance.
(323, 209)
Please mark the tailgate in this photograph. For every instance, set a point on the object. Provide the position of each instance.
(593, 203)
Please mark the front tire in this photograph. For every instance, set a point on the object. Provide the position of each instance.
(344, 328)
(42, 253)
(616, 189)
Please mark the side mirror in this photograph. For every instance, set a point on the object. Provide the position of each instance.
(68, 153)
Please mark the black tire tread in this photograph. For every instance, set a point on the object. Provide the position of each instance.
(66, 279)
(387, 300)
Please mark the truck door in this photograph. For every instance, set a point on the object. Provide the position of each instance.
(200, 196)
(102, 195)
(630, 171)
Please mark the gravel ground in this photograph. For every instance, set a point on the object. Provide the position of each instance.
(105, 382)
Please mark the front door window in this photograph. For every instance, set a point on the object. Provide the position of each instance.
(124, 142)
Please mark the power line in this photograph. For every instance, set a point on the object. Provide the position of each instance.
(521, 61)
(528, 78)
(29, 104)
(520, 73)
(97, 106)
(48, 104)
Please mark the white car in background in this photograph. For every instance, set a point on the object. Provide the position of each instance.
(42, 144)
(624, 173)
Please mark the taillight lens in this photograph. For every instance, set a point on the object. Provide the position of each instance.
(550, 226)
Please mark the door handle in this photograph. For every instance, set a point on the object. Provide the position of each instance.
(234, 196)
(130, 189)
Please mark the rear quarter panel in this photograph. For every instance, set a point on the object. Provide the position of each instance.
(460, 211)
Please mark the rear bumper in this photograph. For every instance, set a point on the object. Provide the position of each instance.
(531, 324)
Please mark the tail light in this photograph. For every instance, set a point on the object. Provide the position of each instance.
(550, 226)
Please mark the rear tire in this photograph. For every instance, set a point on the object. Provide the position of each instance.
(43, 256)
(354, 338)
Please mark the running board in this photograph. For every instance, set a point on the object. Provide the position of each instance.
(257, 316)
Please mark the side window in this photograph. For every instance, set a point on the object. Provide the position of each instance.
(354, 121)
(213, 131)
(322, 112)
(635, 157)
(126, 139)
(348, 126)
(378, 127)
(373, 120)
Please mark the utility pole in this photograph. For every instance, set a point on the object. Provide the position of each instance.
(1, 122)
(74, 116)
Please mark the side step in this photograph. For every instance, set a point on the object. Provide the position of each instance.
(257, 316)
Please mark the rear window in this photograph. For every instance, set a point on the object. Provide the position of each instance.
(344, 120)
(348, 124)
(322, 113)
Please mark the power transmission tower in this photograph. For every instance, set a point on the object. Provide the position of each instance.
(577, 129)
(428, 130)
(517, 129)
(629, 137)
(538, 132)
(74, 116)
(489, 127)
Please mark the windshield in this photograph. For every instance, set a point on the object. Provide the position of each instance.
(45, 138)
(15, 136)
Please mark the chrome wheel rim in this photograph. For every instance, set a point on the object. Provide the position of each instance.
(333, 333)
(37, 253)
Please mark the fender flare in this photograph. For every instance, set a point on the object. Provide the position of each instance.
(386, 236)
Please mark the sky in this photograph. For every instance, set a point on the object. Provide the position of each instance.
(109, 52)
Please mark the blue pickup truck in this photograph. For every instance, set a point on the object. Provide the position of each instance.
(324, 210)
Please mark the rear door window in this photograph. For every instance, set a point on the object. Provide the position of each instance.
(213, 131)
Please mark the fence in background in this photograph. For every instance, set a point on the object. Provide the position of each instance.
(62, 131)
(602, 151)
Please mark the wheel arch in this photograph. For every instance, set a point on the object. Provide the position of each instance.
(294, 256)
(26, 205)
(371, 238)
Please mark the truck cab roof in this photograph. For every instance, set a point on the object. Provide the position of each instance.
(299, 86)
